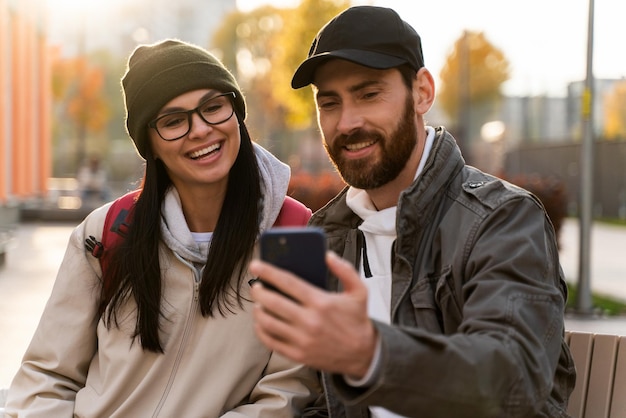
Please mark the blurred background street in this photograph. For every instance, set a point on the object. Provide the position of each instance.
(26, 280)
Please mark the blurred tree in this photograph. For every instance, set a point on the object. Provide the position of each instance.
(615, 113)
(301, 27)
(63, 74)
(474, 70)
(263, 48)
(245, 44)
(77, 90)
(86, 104)
(113, 67)
(470, 93)
(224, 40)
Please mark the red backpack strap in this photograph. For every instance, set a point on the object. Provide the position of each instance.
(115, 227)
(293, 213)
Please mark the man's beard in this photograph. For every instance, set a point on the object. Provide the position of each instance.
(395, 152)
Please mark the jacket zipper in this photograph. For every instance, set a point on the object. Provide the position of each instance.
(197, 274)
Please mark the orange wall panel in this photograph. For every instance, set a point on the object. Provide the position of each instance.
(4, 22)
(18, 105)
(30, 119)
(45, 112)
(25, 106)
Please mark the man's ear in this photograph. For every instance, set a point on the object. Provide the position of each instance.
(423, 91)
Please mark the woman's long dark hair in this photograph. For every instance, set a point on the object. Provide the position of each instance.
(134, 267)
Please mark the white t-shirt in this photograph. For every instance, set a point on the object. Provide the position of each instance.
(202, 237)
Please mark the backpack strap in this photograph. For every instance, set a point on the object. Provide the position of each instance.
(293, 213)
(115, 227)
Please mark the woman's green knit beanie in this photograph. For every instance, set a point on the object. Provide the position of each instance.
(159, 72)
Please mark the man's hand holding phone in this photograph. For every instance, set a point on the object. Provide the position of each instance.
(325, 330)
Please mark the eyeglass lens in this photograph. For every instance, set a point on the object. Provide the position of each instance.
(214, 111)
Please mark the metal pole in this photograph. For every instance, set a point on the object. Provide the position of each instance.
(465, 99)
(81, 129)
(584, 302)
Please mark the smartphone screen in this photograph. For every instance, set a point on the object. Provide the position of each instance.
(301, 250)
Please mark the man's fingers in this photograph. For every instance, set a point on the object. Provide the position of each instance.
(272, 324)
(272, 302)
(293, 286)
(345, 272)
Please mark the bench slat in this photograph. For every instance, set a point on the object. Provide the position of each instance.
(600, 386)
(618, 406)
(581, 346)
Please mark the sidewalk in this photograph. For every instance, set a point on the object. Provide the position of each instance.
(608, 271)
(25, 283)
(608, 257)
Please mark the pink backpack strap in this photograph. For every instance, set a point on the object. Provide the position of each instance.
(293, 213)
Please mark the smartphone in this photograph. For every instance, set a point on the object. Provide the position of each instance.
(301, 250)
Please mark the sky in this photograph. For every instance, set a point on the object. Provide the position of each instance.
(545, 41)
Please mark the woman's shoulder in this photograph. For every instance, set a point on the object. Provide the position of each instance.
(93, 223)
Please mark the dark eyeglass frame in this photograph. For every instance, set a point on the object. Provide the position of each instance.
(231, 95)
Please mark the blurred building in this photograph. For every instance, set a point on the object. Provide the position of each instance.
(25, 100)
(601, 88)
(119, 25)
(550, 120)
(536, 119)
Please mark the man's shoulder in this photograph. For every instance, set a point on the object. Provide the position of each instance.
(336, 210)
(489, 191)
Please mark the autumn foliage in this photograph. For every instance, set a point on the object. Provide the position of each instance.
(266, 45)
(615, 115)
(474, 71)
(80, 87)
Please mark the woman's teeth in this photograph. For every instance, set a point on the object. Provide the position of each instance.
(204, 151)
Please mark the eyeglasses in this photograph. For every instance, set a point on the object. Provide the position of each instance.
(172, 126)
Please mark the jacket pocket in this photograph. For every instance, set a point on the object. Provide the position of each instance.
(435, 306)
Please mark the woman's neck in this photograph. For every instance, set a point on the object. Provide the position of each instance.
(202, 207)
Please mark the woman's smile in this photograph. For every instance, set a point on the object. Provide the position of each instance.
(211, 149)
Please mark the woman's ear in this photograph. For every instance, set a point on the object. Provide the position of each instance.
(423, 91)
(150, 148)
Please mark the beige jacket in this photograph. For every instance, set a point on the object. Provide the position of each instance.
(212, 367)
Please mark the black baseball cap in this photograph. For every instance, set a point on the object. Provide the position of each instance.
(375, 37)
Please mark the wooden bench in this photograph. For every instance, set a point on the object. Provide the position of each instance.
(600, 360)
